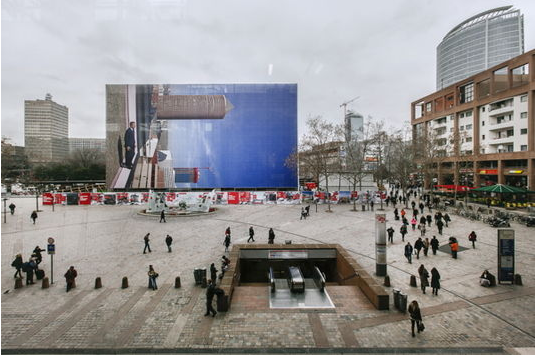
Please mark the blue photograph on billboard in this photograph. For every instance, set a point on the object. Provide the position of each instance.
(202, 136)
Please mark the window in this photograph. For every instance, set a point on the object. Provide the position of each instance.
(482, 150)
(468, 114)
(483, 88)
(451, 117)
(520, 75)
(523, 147)
(523, 115)
(466, 93)
(483, 109)
(428, 107)
(482, 123)
(468, 139)
(483, 137)
(510, 148)
(510, 132)
(523, 131)
(461, 128)
(524, 98)
(501, 82)
(468, 127)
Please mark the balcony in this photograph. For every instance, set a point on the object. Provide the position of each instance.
(503, 140)
(501, 126)
(501, 111)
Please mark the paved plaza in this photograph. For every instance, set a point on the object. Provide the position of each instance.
(107, 242)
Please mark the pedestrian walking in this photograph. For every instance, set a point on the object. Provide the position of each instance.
(38, 256)
(271, 236)
(423, 220)
(152, 278)
(371, 203)
(396, 214)
(408, 252)
(403, 231)
(424, 277)
(447, 218)
(213, 272)
(421, 205)
(390, 232)
(147, 245)
(12, 208)
(422, 229)
(33, 216)
(70, 277)
(434, 245)
(473, 238)
(17, 264)
(426, 246)
(168, 242)
(162, 217)
(440, 225)
(403, 212)
(210, 293)
(227, 231)
(415, 213)
(435, 281)
(416, 317)
(251, 234)
(429, 220)
(307, 209)
(454, 246)
(418, 245)
(226, 243)
(413, 223)
(29, 267)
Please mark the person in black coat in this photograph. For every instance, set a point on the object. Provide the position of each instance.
(390, 232)
(403, 231)
(37, 252)
(162, 217)
(434, 245)
(210, 293)
(429, 220)
(147, 245)
(424, 277)
(33, 216)
(435, 281)
(416, 316)
(440, 225)
(226, 243)
(29, 269)
(130, 144)
(17, 264)
(168, 241)
(418, 245)
(213, 273)
(251, 234)
(408, 252)
(12, 208)
(271, 236)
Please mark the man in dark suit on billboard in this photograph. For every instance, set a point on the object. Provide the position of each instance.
(130, 144)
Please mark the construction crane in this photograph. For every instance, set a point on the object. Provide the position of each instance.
(347, 103)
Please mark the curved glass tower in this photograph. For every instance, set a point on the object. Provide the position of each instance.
(479, 43)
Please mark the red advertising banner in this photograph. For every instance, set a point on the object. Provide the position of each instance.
(145, 197)
(310, 185)
(170, 196)
(48, 198)
(281, 194)
(296, 196)
(354, 194)
(84, 198)
(245, 197)
(233, 198)
(60, 199)
(97, 198)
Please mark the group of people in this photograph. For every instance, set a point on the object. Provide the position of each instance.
(146, 240)
(305, 212)
(31, 267)
(424, 279)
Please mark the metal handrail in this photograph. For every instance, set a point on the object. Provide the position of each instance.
(319, 279)
(271, 280)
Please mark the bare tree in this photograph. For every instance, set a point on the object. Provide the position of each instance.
(354, 166)
(402, 160)
(319, 151)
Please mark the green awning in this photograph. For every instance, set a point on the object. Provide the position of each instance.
(499, 188)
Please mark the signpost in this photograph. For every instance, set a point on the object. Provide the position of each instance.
(380, 244)
(506, 255)
(5, 199)
(51, 248)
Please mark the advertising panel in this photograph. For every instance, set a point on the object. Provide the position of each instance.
(506, 255)
(201, 136)
(85, 198)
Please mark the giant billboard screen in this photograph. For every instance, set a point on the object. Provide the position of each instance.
(201, 136)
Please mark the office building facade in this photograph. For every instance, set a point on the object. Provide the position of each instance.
(354, 126)
(46, 129)
(479, 43)
(87, 143)
(483, 127)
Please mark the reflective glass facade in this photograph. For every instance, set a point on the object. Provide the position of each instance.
(479, 43)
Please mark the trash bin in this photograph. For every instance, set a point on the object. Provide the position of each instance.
(196, 276)
(402, 302)
(203, 274)
(396, 293)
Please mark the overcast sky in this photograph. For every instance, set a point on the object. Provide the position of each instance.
(382, 51)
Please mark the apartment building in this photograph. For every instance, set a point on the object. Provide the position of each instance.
(483, 127)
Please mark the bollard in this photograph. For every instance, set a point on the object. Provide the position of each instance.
(98, 283)
(18, 282)
(396, 292)
(413, 281)
(45, 283)
(204, 283)
(125, 282)
(518, 280)
(177, 282)
(403, 302)
(387, 281)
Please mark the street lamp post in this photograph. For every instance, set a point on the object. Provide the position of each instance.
(5, 200)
